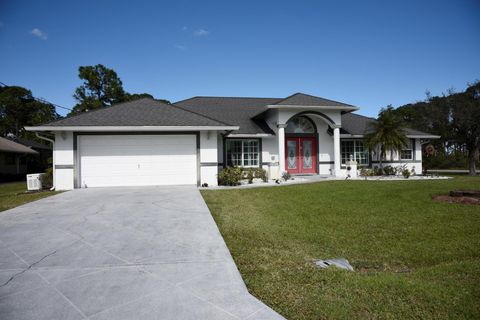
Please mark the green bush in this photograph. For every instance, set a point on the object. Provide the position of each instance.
(365, 172)
(249, 175)
(389, 171)
(440, 160)
(406, 173)
(261, 173)
(252, 173)
(377, 171)
(230, 176)
(47, 179)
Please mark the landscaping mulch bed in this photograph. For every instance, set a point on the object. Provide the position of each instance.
(460, 196)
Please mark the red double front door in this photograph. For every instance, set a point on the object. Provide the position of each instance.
(301, 155)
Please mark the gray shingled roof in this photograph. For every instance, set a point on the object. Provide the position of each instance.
(302, 99)
(142, 112)
(244, 111)
(356, 124)
(7, 145)
(30, 143)
(239, 111)
(210, 111)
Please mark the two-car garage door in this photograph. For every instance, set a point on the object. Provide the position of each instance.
(137, 160)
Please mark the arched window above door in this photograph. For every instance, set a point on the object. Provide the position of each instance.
(300, 124)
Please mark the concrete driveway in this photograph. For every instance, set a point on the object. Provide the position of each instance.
(120, 253)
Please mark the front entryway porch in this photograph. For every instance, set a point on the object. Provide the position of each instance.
(309, 143)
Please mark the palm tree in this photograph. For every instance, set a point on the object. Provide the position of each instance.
(386, 133)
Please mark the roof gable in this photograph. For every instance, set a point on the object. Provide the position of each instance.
(302, 99)
(141, 112)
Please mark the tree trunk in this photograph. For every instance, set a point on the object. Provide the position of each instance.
(472, 159)
(382, 154)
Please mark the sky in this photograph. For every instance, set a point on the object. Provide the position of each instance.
(366, 53)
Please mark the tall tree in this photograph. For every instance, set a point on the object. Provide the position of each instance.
(18, 109)
(455, 117)
(386, 134)
(466, 122)
(136, 96)
(101, 87)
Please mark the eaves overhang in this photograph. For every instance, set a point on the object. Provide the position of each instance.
(342, 108)
(129, 128)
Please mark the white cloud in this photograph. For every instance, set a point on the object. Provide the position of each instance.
(201, 32)
(39, 34)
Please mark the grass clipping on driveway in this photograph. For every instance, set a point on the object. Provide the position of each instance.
(413, 257)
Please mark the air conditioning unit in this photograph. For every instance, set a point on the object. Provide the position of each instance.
(34, 182)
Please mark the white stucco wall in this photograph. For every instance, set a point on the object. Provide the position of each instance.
(393, 159)
(209, 157)
(325, 148)
(325, 141)
(64, 159)
(325, 144)
(220, 149)
(270, 157)
(283, 115)
(64, 162)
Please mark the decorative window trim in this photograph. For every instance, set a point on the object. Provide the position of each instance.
(304, 119)
(355, 152)
(410, 148)
(243, 152)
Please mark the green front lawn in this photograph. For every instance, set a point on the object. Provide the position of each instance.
(414, 258)
(14, 194)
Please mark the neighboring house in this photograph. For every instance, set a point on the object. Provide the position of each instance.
(40, 162)
(13, 158)
(147, 142)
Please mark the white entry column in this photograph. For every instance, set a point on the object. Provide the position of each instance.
(336, 151)
(281, 146)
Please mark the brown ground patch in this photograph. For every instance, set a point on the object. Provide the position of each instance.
(449, 199)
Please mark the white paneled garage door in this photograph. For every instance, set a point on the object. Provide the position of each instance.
(137, 160)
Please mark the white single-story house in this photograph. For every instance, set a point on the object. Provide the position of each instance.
(148, 142)
(13, 159)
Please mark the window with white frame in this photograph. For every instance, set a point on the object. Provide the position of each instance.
(407, 152)
(355, 149)
(242, 152)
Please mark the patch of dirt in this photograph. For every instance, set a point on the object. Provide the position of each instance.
(450, 199)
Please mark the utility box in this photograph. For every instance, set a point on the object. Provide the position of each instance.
(34, 182)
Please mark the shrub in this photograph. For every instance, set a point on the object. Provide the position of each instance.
(260, 173)
(389, 171)
(403, 170)
(249, 174)
(47, 179)
(286, 176)
(406, 173)
(230, 176)
(364, 172)
(377, 171)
